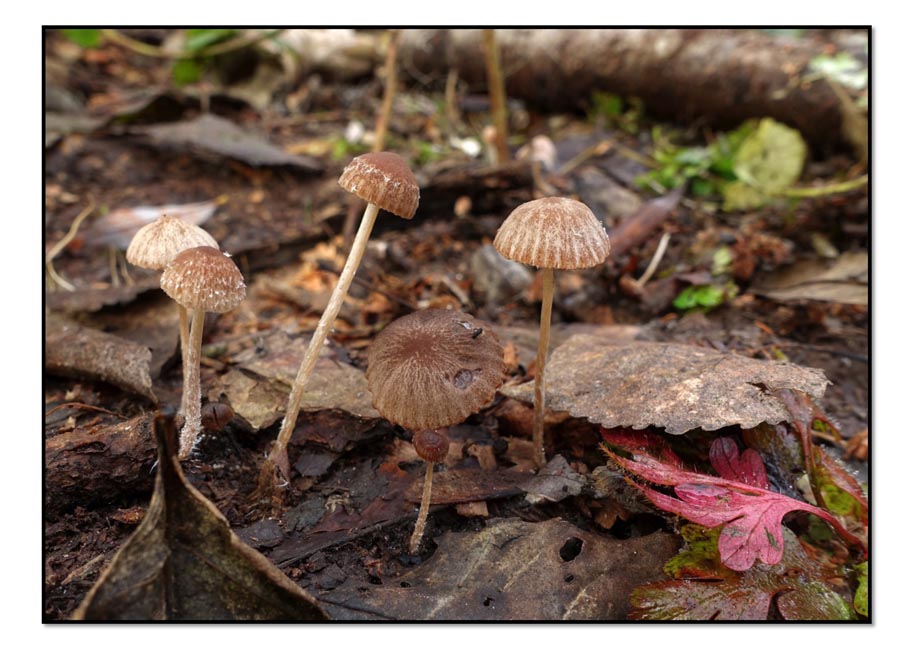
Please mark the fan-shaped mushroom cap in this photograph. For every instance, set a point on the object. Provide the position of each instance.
(159, 242)
(383, 178)
(434, 368)
(553, 233)
(204, 278)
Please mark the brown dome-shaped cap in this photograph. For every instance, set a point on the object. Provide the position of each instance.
(434, 368)
(385, 179)
(431, 445)
(553, 233)
(204, 278)
(159, 242)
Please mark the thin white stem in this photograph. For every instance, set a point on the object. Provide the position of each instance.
(326, 322)
(539, 363)
(183, 333)
(419, 529)
(657, 257)
(191, 429)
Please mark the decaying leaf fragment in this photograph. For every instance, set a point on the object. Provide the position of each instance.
(675, 387)
(844, 280)
(702, 588)
(184, 563)
(514, 570)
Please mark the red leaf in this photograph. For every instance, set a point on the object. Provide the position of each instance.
(751, 515)
(642, 443)
(746, 467)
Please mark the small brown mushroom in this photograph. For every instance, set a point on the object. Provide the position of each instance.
(158, 243)
(385, 181)
(432, 369)
(550, 233)
(202, 279)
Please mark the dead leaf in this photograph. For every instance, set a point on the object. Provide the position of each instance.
(513, 570)
(844, 280)
(184, 563)
(118, 227)
(468, 485)
(675, 387)
(555, 481)
(83, 353)
(212, 134)
(258, 388)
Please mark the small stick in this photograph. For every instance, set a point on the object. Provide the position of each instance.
(497, 93)
(657, 257)
(62, 243)
(390, 91)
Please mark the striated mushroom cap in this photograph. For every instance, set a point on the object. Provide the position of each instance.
(159, 242)
(434, 368)
(383, 178)
(553, 233)
(204, 278)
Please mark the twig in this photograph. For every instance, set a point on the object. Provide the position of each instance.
(82, 406)
(497, 93)
(62, 243)
(657, 257)
(390, 91)
(825, 190)
(596, 149)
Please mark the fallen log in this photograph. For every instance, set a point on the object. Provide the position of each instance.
(718, 77)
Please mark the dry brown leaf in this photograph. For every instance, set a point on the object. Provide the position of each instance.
(258, 388)
(674, 387)
(184, 563)
(514, 570)
(844, 280)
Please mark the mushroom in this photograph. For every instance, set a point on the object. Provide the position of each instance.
(203, 279)
(158, 243)
(428, 370)
(550, 233)
(384, 181)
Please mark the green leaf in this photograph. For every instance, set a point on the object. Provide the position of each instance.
(770, 159)
(86, 38)
(843, 68)
(199, 39)
(186, 71)
(740, 196)
(861, 598)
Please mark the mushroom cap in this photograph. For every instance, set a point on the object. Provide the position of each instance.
(431, 445)
(204, 278)
(159, 242)
(433, 368)
(553, 233)
(383, 178)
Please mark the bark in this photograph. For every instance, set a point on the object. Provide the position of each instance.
(91, 466)
(718, 77)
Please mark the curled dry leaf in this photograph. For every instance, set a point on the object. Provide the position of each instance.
(675, 387)
(184, 563)
(844, 280)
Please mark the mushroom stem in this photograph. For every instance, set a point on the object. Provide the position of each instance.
(419, 529)
(318, 339)
(539, 363)
(191, 401)
(183, 334)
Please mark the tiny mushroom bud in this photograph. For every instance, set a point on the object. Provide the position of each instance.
(384, 181)
(158, 243)
(427, 370)
(550, 233)
(202, 279)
